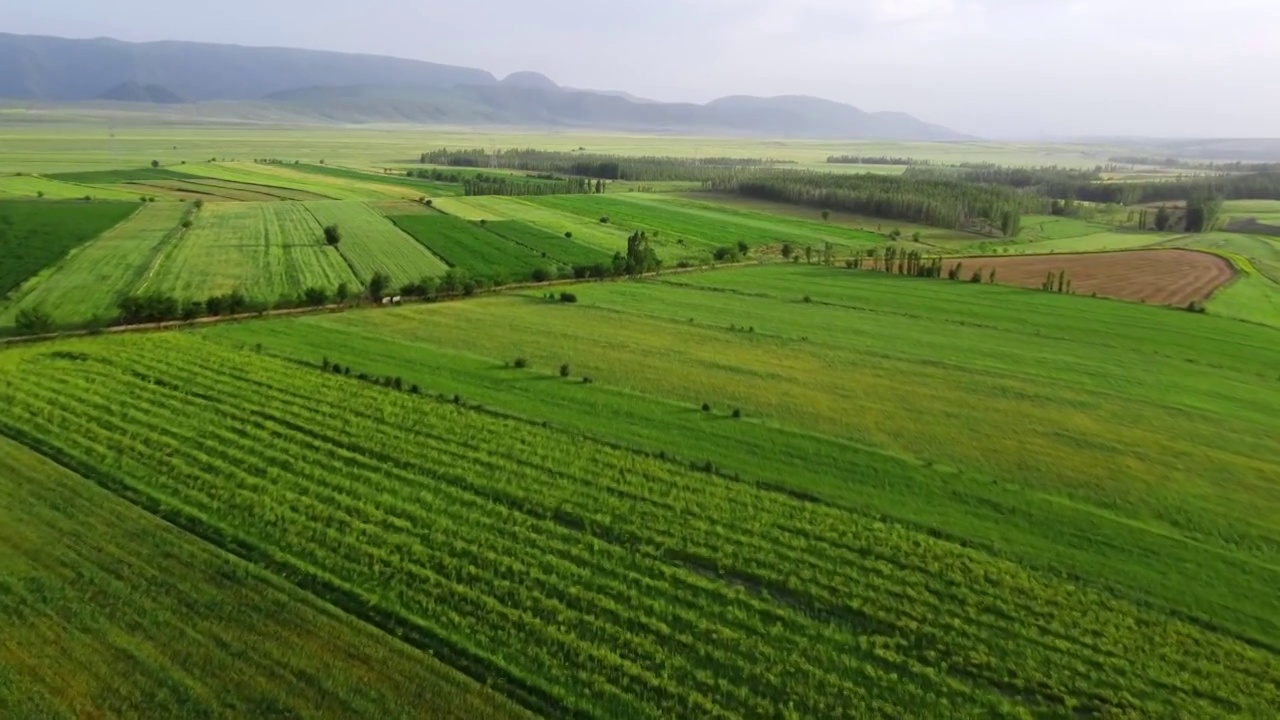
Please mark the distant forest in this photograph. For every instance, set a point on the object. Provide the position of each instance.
(599, 166)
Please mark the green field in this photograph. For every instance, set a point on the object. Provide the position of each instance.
(267, 251)
(471, 247)
(29, 187)
(588, 231)
(702, 227)
(34, 235)
(371, 243)
(999, 540)
(108, 611)
(281, 176)
(93, 278)
(557, 248)
(772, 490)
(399, 182)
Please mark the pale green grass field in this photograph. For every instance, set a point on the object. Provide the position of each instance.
(28, 187)
(265, 250)
(371, 243)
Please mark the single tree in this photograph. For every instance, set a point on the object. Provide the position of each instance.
(568, 235)
(808, 254)
(826, 214)
(788, 250)
(342, 293)
(155, 163)
(33, 321)
(991, 277)
(564, 370)
(332, 234)
(378, 285)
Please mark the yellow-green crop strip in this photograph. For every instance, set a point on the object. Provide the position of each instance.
(267, 251)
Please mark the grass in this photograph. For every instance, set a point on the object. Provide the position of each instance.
(1051, 227)
(282, 176)
(588, 231)
(682, 228)
(34, 235)
(109, 612)
(400, 182)
(267, 251)
(117, 176)
(29, 187)
(588, 579)
(1048, 428)
(93, 278)
(554, 247)
(879, 226)
(469, 246)
(372, 243)
(63, 139)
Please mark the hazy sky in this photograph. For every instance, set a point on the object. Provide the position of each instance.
(991, 67)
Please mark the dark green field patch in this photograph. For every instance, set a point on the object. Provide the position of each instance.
(471, 247)
(548, 245)
(34, 235)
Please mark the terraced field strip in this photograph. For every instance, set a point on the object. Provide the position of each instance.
(400, 182)
(109, 612)
(1092, 242)
(1053, 227)
(588, 231)
(680, 228)
(469, 246)
(554, 247)
(35, 235)
(94, 277)
(767, 227)
(268, 192)
(265, 250)
(1162, 277)
(280, 176)
(29, 187)
(586, 580)
(371, 243)
(192, 192)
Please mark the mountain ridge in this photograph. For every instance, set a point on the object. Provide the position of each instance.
(355, 88)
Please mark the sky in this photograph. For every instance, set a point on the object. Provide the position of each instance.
(995, 68)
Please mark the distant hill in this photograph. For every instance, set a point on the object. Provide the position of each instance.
(529, 80)
(46, 68)
(134, 92)
(308, 85)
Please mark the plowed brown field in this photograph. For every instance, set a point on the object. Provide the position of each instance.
(1166, 277)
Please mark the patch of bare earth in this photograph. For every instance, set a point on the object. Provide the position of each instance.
(1162, 277)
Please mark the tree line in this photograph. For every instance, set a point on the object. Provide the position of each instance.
(596, 165)
(874, 160)
(947, 203)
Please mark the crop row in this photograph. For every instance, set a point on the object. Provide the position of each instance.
(555, 247)
(470, 247)
(612, 583)
(371, 243)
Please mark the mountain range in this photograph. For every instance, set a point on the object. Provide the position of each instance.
(347, 88)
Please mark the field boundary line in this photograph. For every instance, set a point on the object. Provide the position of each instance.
(162, 251)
